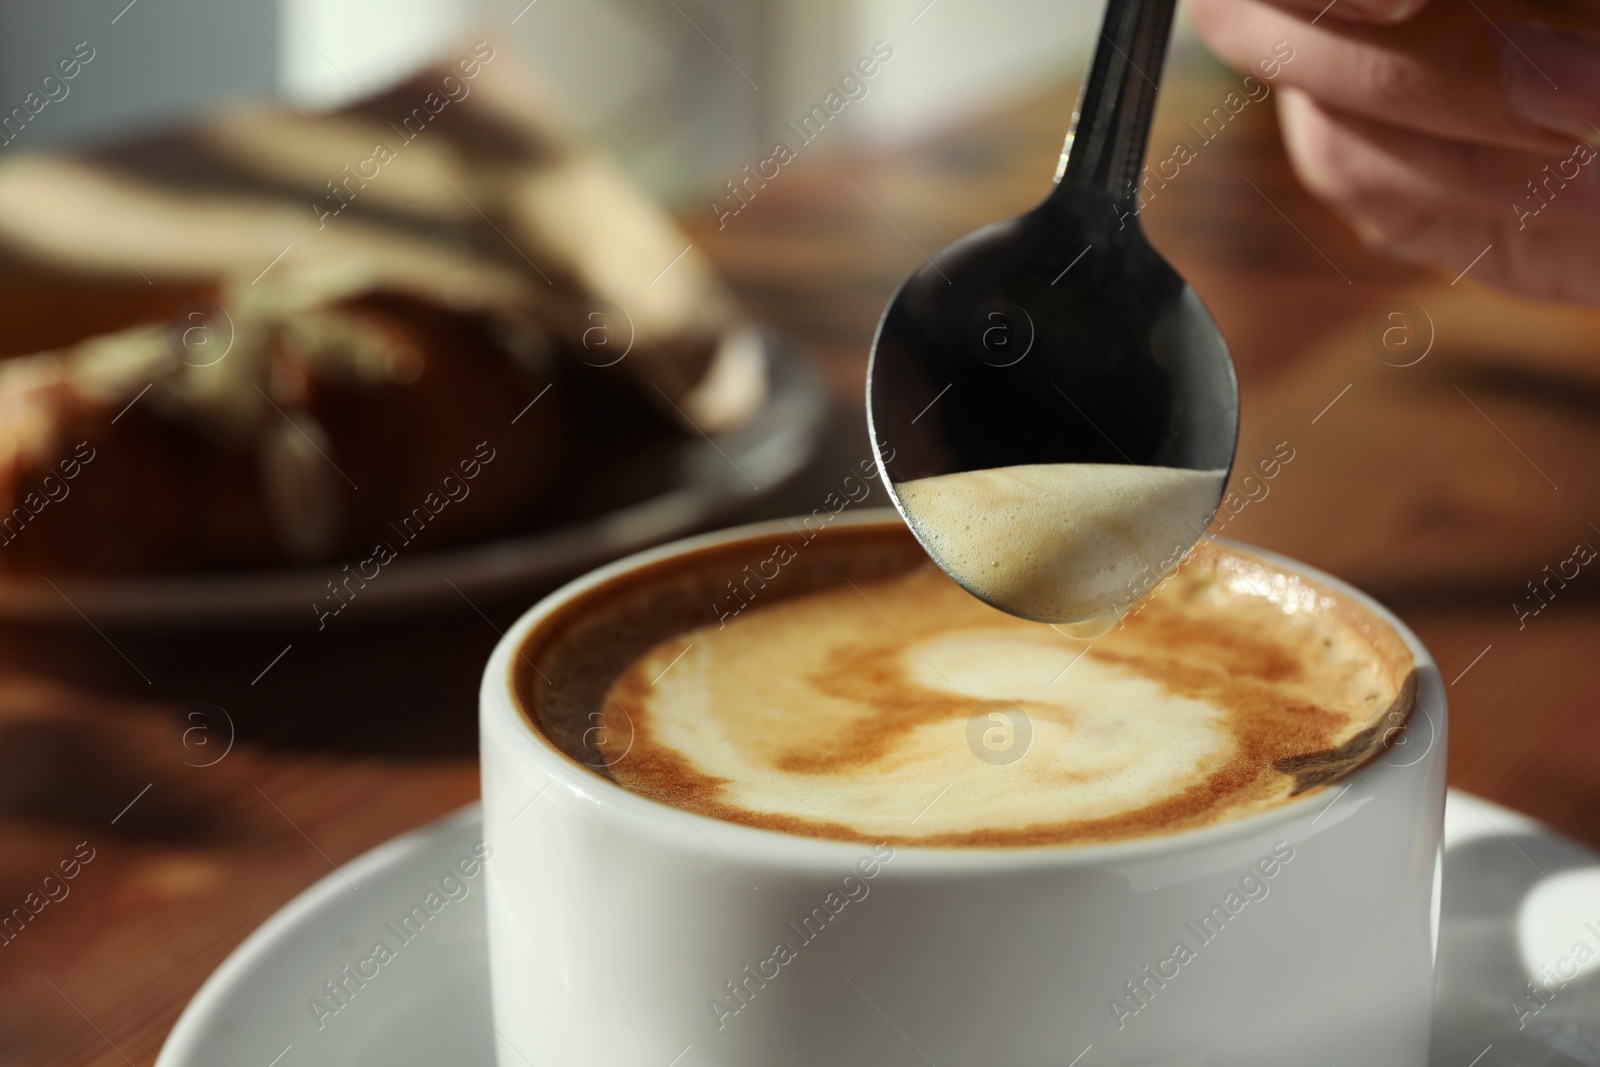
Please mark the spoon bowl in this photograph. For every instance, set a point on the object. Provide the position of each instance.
(1061, 336)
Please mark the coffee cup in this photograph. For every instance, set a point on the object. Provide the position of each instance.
(631, 927)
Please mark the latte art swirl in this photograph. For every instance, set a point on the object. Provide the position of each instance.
(884, 703)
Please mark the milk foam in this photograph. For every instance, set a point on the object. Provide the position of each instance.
(848, 712)
(1061, 542)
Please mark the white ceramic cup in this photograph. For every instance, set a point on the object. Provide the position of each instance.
(626, 933)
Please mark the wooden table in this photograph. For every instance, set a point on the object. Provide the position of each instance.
(1444, 487)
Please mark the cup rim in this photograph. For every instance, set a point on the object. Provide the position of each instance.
(776, 848)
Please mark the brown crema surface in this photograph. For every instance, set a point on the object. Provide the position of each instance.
(842, 687)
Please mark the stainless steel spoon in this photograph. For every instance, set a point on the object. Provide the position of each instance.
(1060, 336)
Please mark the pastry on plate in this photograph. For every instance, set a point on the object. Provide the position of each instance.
(278, 337)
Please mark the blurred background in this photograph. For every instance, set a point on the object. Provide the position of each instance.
(679, 91)
(1441, 437)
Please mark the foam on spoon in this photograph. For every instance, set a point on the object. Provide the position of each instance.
(1062, 542)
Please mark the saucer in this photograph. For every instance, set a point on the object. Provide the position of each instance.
(310, 988)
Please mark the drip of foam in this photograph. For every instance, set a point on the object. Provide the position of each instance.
(1062, 542)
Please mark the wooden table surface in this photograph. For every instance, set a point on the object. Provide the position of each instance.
(1445, 487)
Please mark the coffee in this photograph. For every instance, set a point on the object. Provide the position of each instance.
(837, 685)
(1061, 542)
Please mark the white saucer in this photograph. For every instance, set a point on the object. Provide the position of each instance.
(1517, 898)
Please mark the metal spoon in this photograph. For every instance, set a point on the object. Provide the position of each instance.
(1060, 336)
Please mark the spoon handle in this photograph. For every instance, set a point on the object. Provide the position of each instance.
(1106, 147)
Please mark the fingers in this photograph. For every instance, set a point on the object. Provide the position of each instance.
(1446, 136)
(1541, 263)
(1353, 161)
(1443, 204)
(1380, 11)
(1552, 77)
(1448, 73)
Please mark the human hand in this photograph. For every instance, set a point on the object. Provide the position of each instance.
(1441, 130)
